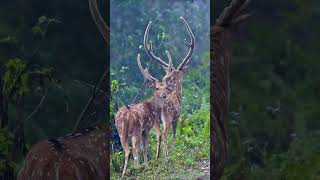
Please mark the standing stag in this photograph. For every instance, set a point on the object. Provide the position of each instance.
(172, 105)
(80, 155)
(137, 120)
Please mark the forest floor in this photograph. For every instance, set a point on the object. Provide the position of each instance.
(204, 168)
(186, 162)
(199, 171)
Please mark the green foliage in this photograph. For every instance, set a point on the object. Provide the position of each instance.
(42, 25)
(114, 86)
(19, 78)
(6, 139)
(15, 78)
(301, 161)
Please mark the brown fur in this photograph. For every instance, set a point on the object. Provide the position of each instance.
(172, 106)
(80, 155)
(137, 121)
(220, 54)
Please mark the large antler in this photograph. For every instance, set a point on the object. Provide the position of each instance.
(148, 47)
(101, 24)
(145, 72)
(190, 45)
(169, 69)
(185, 61)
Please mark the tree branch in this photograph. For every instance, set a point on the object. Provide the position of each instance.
(37, 108)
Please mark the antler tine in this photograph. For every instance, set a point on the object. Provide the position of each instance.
(148, 47)
(170, 62)
(98, 20)
(169, 69)
(145, 72)
(191, 45)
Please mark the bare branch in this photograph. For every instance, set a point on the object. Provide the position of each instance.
(97, 18)
(37, 108)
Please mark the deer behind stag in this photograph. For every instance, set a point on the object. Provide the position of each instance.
(172, 104)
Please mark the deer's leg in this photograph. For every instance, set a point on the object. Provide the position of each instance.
(166, 126)
(126, 148)
(158, 133)
(174, 131)
(145, 147)
(136, 146)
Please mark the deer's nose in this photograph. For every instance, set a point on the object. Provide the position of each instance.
(164, 95)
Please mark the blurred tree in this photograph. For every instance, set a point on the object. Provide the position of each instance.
(274, 85)
(44, 76)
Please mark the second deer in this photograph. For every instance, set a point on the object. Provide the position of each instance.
(172, 105)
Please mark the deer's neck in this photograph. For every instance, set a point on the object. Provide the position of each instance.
(178, 88)
(155, 103)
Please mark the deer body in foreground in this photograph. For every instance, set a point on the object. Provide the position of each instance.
(172, 105)
(222, 32)
(80, 155)
(137, 120)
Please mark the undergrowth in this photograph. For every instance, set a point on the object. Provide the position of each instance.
(300, 161)
(192, 147)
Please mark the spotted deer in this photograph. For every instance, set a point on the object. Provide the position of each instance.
(137, 120)
(79, 155)
(172, 105)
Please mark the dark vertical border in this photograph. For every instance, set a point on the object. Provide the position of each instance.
(212, 19)
(106, 16)
(224, 24)
(108, 88)
(102, 22)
